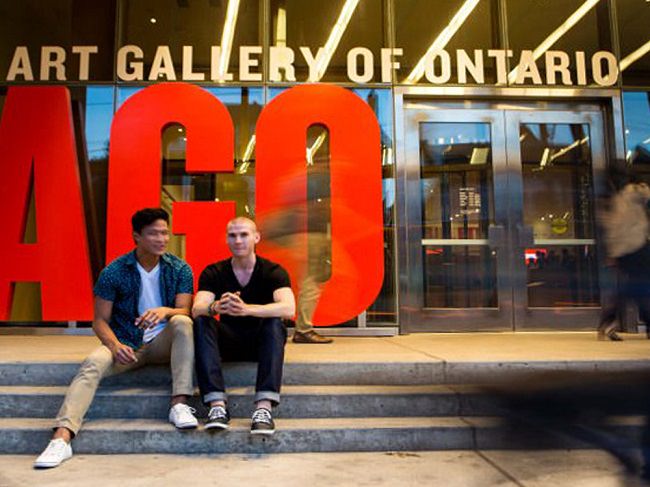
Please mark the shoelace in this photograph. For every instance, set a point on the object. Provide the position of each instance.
(262, 415)
(217, 412)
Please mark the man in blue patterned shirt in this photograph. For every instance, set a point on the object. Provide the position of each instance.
(142, 308)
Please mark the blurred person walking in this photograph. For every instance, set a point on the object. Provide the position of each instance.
(626, 230)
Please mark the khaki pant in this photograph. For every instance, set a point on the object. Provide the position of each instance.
(174, 345)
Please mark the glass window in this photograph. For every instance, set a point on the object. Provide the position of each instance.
(636, 115)
(337, 27)
(60, 24)
(457, 208)
(548, 26)
(158, 30)
(456, 24)
(633, 19)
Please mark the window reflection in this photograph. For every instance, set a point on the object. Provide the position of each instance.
(636, 113)
(558, 205)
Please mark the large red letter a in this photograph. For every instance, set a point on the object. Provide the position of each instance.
(36, 134)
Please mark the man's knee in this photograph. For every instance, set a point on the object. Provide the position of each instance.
(97, 363)
(273, 328)
(181, 324)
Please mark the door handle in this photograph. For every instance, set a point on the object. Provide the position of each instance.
(525, 236)
(496, 236)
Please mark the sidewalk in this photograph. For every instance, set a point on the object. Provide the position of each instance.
(521, 347)
(577, 468)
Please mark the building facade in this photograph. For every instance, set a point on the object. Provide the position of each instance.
(498, 119)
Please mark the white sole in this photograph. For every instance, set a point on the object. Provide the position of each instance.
(185, 426)
(50, 465)
(216, 426)
(262, 432)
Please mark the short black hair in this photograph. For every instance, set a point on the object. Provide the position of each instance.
(147, 216)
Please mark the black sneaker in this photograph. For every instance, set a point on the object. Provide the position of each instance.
(262, 422)
(218, 417)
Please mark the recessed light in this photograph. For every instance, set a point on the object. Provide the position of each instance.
(153, 20)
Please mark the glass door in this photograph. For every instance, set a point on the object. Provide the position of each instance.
(554, 158)
(457, 265)
(500, 219)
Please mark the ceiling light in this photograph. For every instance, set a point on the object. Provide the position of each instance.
(334, 38)
(153, 20)
(635, 56)
(248, 153)
(441, 41)
(557, 33)
(281, 28)
(314, 148)
(227, 37)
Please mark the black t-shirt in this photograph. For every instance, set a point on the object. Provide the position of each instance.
(219, 278)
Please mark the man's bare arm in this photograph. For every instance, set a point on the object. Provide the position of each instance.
(153, 316)
(103, 310)
(283, 306)
(202, 302)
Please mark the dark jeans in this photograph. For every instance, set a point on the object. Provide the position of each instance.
(260, 341)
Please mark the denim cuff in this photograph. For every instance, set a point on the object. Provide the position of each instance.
(215, 396)
(274, 397)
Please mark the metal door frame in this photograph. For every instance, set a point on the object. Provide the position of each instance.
(492, 319)
(534, 100)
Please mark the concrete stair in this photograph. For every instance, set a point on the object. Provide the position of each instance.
(325, 407)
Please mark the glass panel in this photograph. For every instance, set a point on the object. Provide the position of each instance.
(460, 277)
(558, 25)
(636, 113)
(416, 30)
(337, 26)
(457, 203)
(149, 24)
(63, 23)
(633, 19)
(558, 205)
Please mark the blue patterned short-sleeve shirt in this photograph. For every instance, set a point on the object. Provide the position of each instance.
(119, 283)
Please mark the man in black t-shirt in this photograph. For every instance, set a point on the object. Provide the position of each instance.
(251, 295)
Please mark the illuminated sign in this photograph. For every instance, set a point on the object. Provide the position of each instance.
(37, 144)
(436, 67)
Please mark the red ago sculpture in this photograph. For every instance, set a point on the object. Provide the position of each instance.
(60, 258)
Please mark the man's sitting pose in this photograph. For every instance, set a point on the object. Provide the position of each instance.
(142, 308)
(251, 295)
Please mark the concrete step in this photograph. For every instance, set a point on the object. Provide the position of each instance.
(112, 436)
(297, 402)
(339, 373)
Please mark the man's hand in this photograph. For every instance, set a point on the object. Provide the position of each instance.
(231, 304)
(152, 317)
(123, 354)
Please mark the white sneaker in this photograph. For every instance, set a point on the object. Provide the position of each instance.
(57, 452)
(182, 416)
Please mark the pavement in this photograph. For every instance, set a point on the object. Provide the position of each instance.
(574, 468)
(418, 347)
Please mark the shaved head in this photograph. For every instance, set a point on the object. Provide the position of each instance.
(242, 220)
